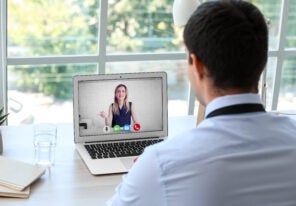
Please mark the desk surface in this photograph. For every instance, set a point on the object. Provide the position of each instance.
(68, 182)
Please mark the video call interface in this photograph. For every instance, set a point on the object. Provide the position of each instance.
(120, 106)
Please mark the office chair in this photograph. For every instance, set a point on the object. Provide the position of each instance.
(200, 114)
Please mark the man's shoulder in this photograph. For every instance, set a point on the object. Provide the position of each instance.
(186, 147)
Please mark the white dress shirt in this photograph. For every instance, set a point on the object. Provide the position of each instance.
(231, 159)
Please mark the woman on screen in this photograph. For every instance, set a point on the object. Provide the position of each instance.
(121, 111)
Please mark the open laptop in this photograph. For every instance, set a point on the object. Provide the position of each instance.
(108, 146)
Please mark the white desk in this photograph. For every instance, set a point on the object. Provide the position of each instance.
(69, 181)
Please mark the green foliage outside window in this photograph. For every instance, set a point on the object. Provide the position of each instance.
(39, 28)
(57, 28)
(141, 26)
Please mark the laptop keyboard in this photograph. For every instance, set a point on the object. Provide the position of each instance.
(118, 149)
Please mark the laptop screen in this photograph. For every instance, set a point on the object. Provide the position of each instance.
(120, 106)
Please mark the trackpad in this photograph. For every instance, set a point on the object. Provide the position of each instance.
(127, 162)
(106, 166)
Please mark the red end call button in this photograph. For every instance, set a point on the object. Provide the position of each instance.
(137, 127)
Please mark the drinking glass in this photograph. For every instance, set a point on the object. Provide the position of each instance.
(45, 140)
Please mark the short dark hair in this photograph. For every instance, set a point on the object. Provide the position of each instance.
(230, 37)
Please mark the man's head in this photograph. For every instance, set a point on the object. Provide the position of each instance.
(230, 39)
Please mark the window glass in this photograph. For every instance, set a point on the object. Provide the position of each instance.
(178, 85)
(271, 10)
(291, 29)
(52, 27)
(39, 28)
(287, 96)
(42, 93)
(141, 26)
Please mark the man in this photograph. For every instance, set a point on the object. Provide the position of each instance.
(227, 44)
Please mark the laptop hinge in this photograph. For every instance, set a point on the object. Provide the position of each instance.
(122, 140)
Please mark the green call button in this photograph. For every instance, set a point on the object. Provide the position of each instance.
(116, 128)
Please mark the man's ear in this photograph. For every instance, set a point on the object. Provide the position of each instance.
(198, 65)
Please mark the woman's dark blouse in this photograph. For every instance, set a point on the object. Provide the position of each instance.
(123, 118)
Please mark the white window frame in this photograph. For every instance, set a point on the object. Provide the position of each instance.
(102, 58)
(281, 53)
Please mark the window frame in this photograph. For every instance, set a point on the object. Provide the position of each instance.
(102, 58)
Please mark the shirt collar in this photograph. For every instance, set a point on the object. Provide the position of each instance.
(234, 99)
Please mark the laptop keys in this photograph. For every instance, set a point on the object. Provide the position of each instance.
(118, 149)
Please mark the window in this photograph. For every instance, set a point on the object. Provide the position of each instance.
(43, 48)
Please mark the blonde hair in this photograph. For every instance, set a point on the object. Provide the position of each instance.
(115, 108)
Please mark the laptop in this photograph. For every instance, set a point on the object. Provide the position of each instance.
(116, 116)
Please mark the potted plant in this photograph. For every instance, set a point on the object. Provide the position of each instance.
(3, 117)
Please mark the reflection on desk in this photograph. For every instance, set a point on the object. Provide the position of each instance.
(68, 182)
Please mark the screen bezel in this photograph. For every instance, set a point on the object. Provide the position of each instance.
(119, 136)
